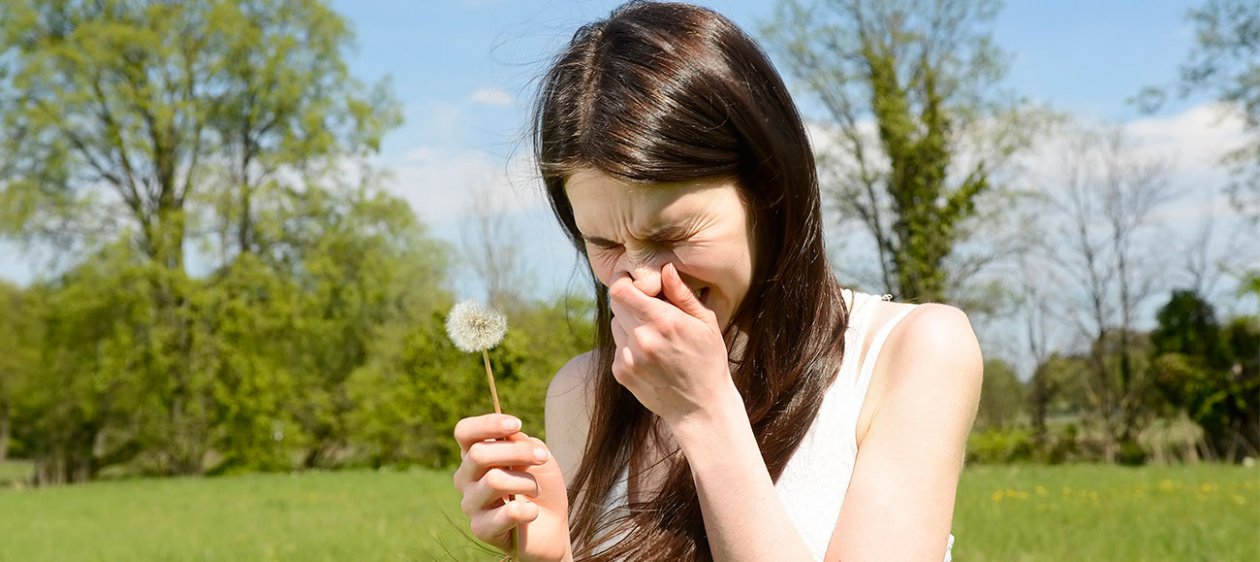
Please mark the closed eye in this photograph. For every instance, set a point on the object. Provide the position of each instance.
(602, 243)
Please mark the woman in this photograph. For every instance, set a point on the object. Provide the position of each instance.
(738, 405)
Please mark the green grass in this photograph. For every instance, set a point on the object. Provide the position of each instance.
(347, 516)
(1097, 512)
(1086, 512)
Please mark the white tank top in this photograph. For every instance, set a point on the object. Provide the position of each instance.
(814, 481)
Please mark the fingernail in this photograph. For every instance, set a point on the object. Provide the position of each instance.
(511, 424)
(540, 454)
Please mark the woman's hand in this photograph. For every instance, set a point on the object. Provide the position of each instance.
(670, 355)
(499, 461)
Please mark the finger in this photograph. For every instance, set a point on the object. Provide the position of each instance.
(680, 294)
(623, 315)
(496, 485)
(619, 332)
(623, 365)
(481, 428)
(633, 301)
(493, 525)
(486, 455)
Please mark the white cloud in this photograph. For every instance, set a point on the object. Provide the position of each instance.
(491, 96)
(1190, 144)
(439, 183)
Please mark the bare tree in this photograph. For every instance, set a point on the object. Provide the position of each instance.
(1102, 205)
(490, 243)
(1035, 305)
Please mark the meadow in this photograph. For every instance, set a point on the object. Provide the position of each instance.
(1010, 513)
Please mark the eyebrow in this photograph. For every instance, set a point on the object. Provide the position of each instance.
(658, 235)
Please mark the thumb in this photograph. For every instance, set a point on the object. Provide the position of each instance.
(680, 295)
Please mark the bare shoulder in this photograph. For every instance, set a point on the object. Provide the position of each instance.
(931, 357)
(572, 378)
(934, 340)
(568, 411)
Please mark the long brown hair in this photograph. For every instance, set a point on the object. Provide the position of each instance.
(663, 92)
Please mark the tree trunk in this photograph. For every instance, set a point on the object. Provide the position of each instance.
(1040, 398)
(4, 430)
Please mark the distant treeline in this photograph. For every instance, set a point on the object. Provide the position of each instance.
(1187, 390)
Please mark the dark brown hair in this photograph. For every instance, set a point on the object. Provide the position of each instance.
(663, 92)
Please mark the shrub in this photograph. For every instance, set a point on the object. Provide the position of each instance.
(1000, 446)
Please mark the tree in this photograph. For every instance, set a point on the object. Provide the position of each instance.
(365, 267)
(491, 250)
(133, 120)
(1035, 305)
(18, 357)
(1211, 373)
(1101, 204)
(78, 412)
(919, 127)
(1225, 62)
(1002, 396)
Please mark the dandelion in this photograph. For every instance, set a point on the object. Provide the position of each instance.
(476, 328)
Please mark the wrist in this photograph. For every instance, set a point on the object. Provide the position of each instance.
(718, 426)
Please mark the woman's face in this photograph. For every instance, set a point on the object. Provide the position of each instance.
(700, 226)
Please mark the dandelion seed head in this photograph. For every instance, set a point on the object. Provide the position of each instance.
(474, 327)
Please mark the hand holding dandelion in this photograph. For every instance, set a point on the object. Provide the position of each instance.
(476, 328)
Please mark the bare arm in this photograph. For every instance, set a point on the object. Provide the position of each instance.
(900, 502)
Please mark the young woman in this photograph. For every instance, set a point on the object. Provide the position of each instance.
(739, 404)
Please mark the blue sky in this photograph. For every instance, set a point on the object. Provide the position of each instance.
(1081, 56)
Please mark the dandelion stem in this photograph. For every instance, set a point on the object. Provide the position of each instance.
(494, 395)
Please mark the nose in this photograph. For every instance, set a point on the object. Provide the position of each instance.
(645, 271)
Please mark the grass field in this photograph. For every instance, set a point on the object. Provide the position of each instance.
(1202, 512)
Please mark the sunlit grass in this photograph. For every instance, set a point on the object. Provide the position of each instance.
(1083, 512)
(1096, 512)
(347, 516)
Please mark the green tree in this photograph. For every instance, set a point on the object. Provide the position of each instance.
(77, 413)
(1064, 379)
(366, 269)
(908, 85)
(1212, 373)
(1001, 396)
(134, 120)
(18, 354)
